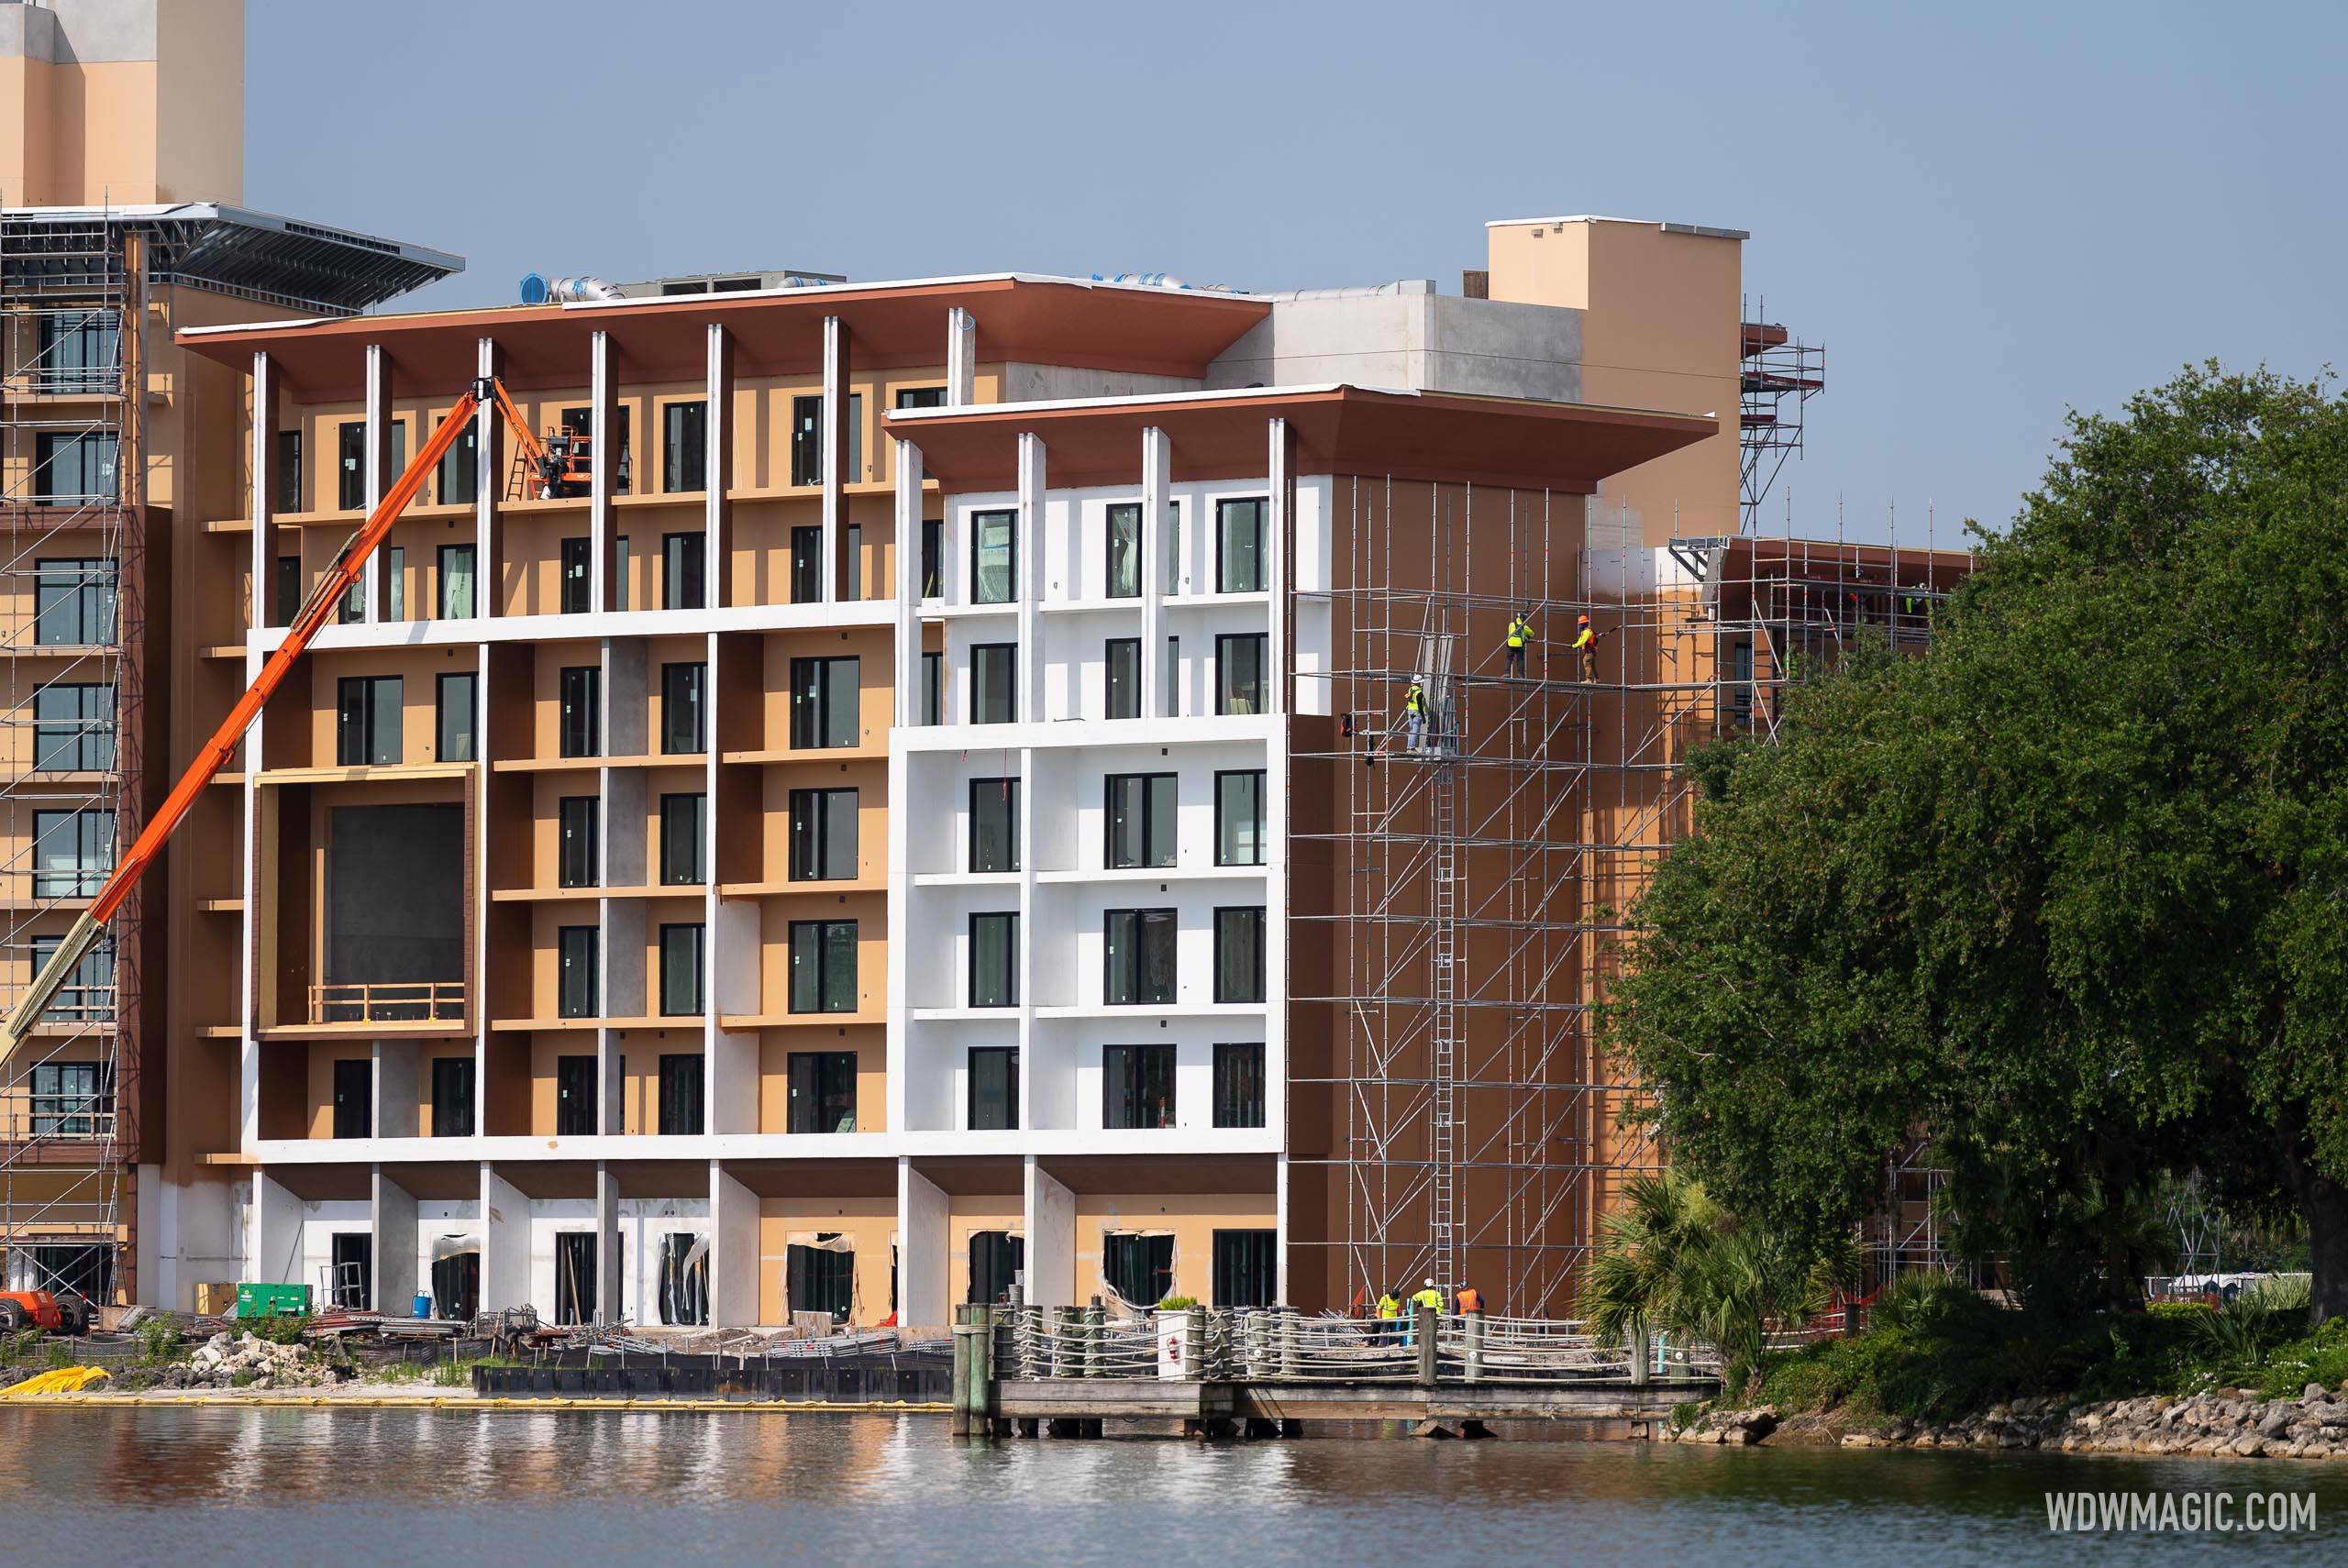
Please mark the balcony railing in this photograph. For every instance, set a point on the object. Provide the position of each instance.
(389, 1001)
(47, 1118)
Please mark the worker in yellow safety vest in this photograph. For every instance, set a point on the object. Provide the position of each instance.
(1414, 715)
(1425, 1295)
(1388, 1311)
(1520, 633)
(1586, 644)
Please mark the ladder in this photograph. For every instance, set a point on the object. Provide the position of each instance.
(1443, 912)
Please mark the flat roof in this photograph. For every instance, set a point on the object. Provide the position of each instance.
(1666, 225)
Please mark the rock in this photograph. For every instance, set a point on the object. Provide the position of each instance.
(2249, 1445)
(1859, 1440)
(2311, 1393)
(2277, 1422)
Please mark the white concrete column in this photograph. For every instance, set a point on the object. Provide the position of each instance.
(733, 1260)
(610, 1303)
(504, 1243)
(1281, 1296)
(266, 393)
(604, 457)
(897, 914)
(1278, 525)
(922, 1242)
(908, 625)
(273, 1248)
(1157, 556)
(961, 358)
(717, 474)
(264, 570)
(1051, 1238)
(395, 1246)
(1028, 561)
(835, 439)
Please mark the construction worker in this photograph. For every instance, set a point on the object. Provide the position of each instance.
(1520, 633)
(1586, 647)
(1470, 1298)
(1425, 1295)
(1388, 1311)
(1414, 715)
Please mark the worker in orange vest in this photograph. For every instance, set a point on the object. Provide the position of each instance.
(1586, 644)
(1470, 1298)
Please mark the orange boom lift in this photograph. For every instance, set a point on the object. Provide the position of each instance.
(90, 930)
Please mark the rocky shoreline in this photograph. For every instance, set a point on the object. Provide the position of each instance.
(2228, 1422)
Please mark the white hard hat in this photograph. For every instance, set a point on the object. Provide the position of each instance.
(1430, 1285)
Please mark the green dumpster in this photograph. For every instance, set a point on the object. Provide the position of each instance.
(272, 1300)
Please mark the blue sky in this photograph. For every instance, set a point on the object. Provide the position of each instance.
(1987, 213)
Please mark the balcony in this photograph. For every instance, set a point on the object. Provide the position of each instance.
(389, 1001)
(44, 1130)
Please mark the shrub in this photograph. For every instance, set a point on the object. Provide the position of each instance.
(279, 1330)
(1178, 1303)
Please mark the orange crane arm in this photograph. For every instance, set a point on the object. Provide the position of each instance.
(90, 929)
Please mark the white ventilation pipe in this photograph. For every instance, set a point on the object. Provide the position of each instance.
(565, 289)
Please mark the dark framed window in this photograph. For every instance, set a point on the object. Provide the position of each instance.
(72, 853)
(73, 727)
(454, 708)
(994, 683)
(807, 440)
(578, 579)
(352, 1283)
(1123, 551)
(823, 1091)
(578, 972)
(823, 965)
(994, 556)
(1170, 681)
(820, 1279)
(1121, 661)
(350, 466)
(353, 607)
(80, 351)
(72, 1099)
(367, 720)
(289, 471)
(1139, 1268)
(354, 1098)
(396, 583)
(457, 587)
(288, 591)
(684, 567)
(806, 564)
(574, 1276)
(684, 445)
(621, 597)
(994, 1089)
(460, 471)
(822, 835)
(1239, 1083)
(684, 726)
(933, 558)
(1239, 954)
(996, 1258)
(574, 1096)
(825, 694)
(75, 468)
(73, 601)
(994, 960)
(681, 838)
(684, 1277)
(579, 850)
(1239, 817)
(452, 1097)
(1138, 951)
(1246, 1267)
(1139, 830)
(681, 1093)
(87, 996)
(1137, 1086)
(580, 730)
(1239, 672)
(681, 948)
(921, 397)
(851, 562)
(933, 688)
(1239, 547)
(995, 824)
(582, 422)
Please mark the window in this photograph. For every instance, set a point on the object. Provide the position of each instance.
(807, 440)
(456, 582)
(289, 470)
(921, 397)
(994, 960)
(806, 564)
(996, 1258)
(75, 468)
(456, 1286)
(1239, 817)
(289, 590)
(87, 996)
(823, 698)
(353, 1254)
(72, 853)
(681, 864)
(684, 1272)
(684, 447)
(350, 466)
(354, 1098)
(821, 1278)
(580, 730)
(396, 583)
(823, 965)
(1239, 673)
(822, 835)
(1246, 1267)
(582, 422)
(621, 597)
(453, 696)
(994, 1089)
(452, 1097)
(353, 607)
(1140, 826)
(73, 601)
(1239, 547)
(1139, 1268)
(994, 557)
(579, 980)
(995, 824)
(683, 729)
(933, 688)
(823, 1091)
(680, 1100)
(574, 1276)
(1122, 659)
(578, 564)
(681, 968)
(460, 467)
(1239, 955)
(73, 728)
(994, 677)
(684, 565)
(574, 1096)
(933, 558)
(1170, 681)
(72, 1099)
(1139, 968)
(80, 351)
(1137, 1086)
(1123, 553)
(577, 842)
(1239, 1084)
(366, 725)
(851, 561)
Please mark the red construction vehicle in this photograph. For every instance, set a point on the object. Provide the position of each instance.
(90, 929)
(42, 1309)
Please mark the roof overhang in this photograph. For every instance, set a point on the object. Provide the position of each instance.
(1339, 429)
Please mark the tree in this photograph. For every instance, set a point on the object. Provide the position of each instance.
(2068, 893)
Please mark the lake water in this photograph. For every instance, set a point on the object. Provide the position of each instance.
(443, 1489)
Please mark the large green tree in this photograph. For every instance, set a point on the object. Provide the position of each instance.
(2068, 894)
